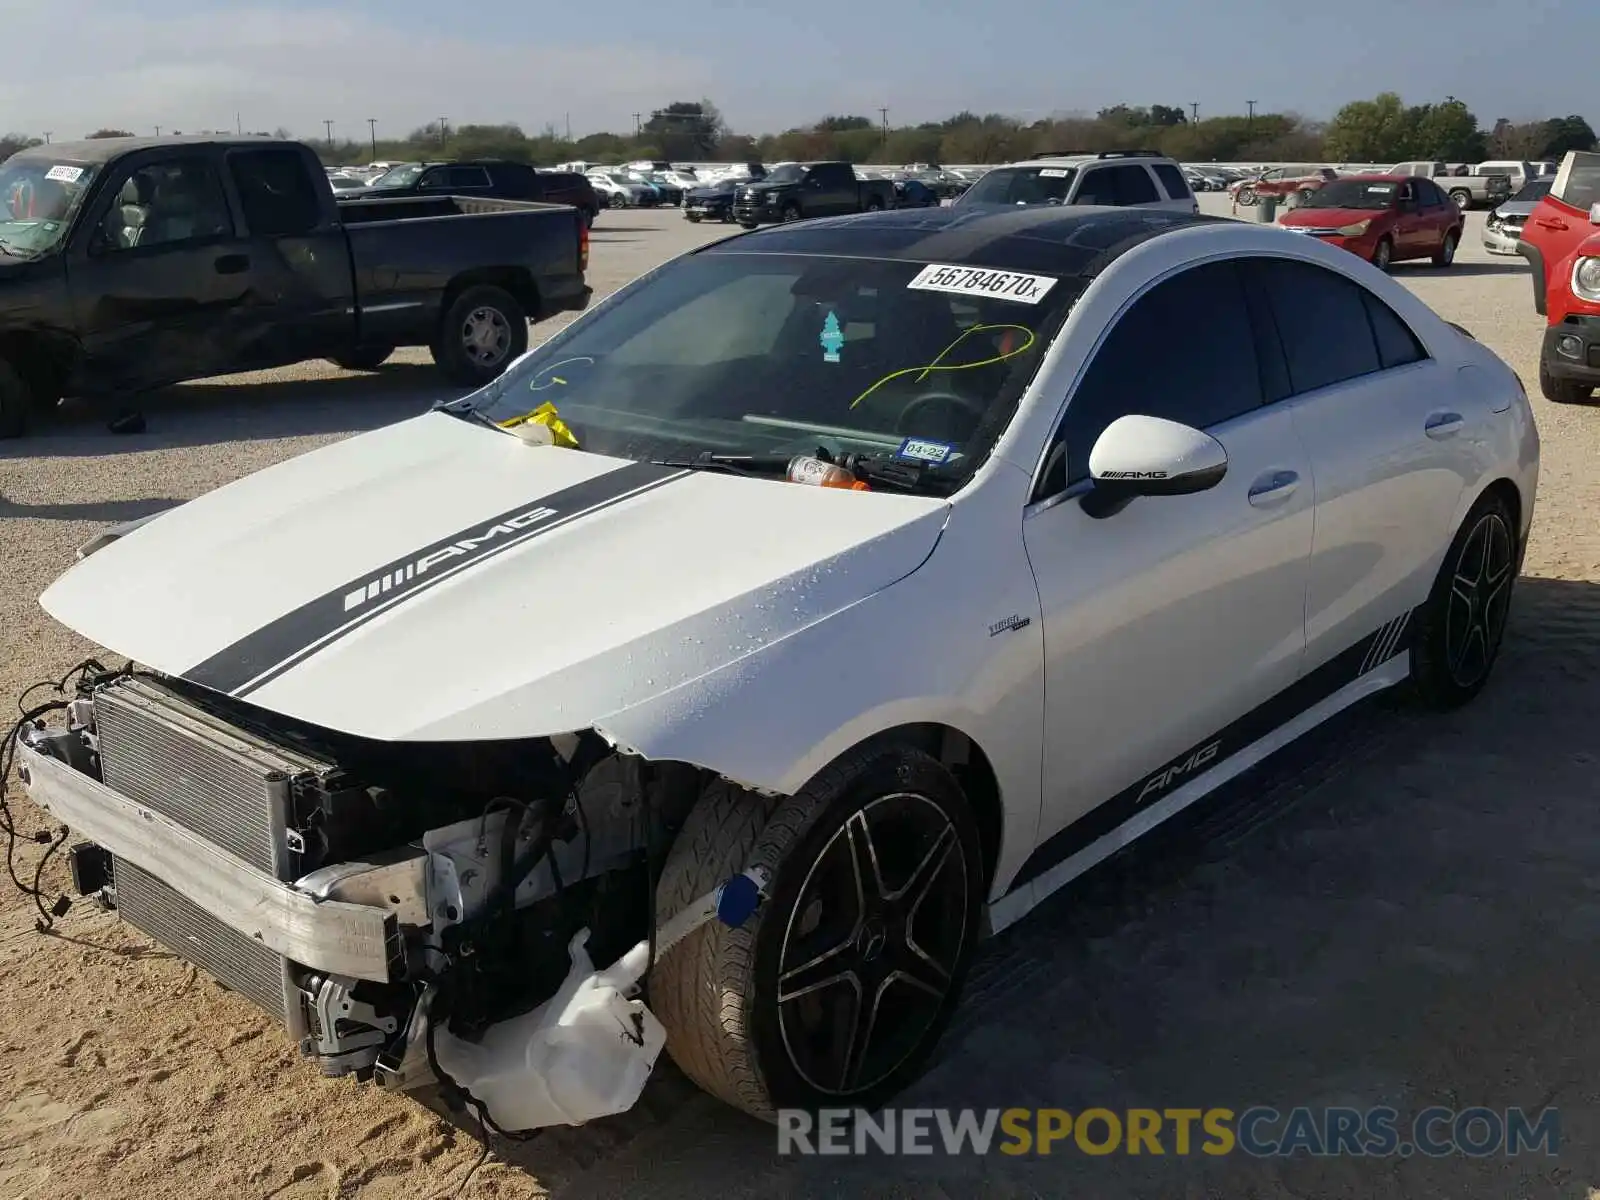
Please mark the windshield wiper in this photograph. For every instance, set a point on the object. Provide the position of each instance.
(729, 464)
(467, 412)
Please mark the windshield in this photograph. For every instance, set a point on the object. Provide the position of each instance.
(1534, 191)
(402, 176)
(768, 354)
(1367, 194)
(39, 197)
(793, 173)
(1022, 185)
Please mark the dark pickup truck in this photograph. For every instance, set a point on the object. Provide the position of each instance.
(499, 178)
(798, 190)
(128, 264)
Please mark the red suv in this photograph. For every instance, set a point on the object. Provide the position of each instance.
(1383, 218)
(1281, 181)
(1561, 241)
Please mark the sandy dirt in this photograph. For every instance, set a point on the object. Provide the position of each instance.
(1402, 912)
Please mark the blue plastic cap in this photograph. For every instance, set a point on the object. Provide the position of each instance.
(736, 900)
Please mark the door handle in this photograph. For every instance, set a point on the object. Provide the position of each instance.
(1443, 424)
(233, 264)
(1547, 223)
(1273, 488)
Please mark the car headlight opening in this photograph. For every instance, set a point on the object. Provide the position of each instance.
(1586, 279)
(1355, 228)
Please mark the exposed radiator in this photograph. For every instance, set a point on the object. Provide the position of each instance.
(222, 784)
(235, 961)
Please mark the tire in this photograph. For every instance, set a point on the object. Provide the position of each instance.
(1462, 623)
(482, 331)
(874, 205)
(1447, 250)
(618, 200)
(749, 224)
(1383, 255)
(694, 218)
(364, 358)
(717, 993)
(788, 213)
(1247, 196)
(1562, 391)
(1306, 194)
(17, 402)
(1463, 199)
(589, 215)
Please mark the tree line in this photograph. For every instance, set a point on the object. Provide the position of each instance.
(1383, 129)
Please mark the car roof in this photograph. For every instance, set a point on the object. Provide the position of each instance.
(1078, 160)
(103, 150)
(1074, 241)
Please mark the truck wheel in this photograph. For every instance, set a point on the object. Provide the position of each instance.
(16, 402)
(363, 358)
(790, 212)
(1463, 199)
(694, 218)
(838, 988)
(480, 334)
(874, 205)
(1562, 391)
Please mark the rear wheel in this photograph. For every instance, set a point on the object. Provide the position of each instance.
(479, 334)
(1305, 195)
(1447, 250)
(16, 402)
(364, 358)
(874, 204)
(1562, 391)
(1247, 196)
(1383, 255)
(835, 992)
(1463, 199)
(1464, 619)
(618, 200)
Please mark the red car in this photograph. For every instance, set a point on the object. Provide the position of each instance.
(1561, 241)
(1383, 218)
(1303, 179)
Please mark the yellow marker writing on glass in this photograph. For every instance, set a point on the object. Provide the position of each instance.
(938, 364)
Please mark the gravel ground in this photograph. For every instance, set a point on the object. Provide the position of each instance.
(1400, 914)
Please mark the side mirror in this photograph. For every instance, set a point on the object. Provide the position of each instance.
(1150, 456)
(1594, 214)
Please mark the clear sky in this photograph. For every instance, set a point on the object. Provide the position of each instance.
(75, 65)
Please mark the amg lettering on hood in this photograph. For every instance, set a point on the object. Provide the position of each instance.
(268, 652)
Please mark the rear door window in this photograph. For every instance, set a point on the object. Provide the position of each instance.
(1321, 318)
(1134, 185)
(276, 192)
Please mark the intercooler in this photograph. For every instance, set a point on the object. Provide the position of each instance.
(234, 791)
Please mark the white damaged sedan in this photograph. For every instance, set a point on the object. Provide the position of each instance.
(718, 677)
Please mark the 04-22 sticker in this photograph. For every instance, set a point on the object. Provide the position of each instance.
(977, 281)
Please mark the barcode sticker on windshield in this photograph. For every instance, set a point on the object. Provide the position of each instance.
(975, 281)
(1054, 173)
(64, 174)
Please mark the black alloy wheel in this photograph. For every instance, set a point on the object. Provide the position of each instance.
(872, 946)
(1480, 600)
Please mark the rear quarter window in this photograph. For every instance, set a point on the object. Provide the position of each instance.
(1172, 179)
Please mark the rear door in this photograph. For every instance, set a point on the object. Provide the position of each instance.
(158, 272)
(1179, 196)
(1385, 424)
(831, 189)
(1560, 223)
(1438, 211)
(1411, 230)
(303, 298)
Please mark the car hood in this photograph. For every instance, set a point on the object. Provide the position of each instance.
(765, 185)
(437, 579)
(1518, 209)
(1329, 218)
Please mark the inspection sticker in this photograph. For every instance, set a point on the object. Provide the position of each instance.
(1054, 173)
(922, 450)
(975, 281)
(64, 174)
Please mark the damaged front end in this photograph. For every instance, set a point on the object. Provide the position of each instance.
(410, 913)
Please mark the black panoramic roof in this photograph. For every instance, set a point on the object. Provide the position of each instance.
(103, 150)
(1066, 241)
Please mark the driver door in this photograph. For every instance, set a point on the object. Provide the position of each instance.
(1169, 624)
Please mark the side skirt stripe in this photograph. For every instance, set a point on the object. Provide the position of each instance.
(1209, 761)
(263, 655)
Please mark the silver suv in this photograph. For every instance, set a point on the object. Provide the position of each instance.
(1126, 178)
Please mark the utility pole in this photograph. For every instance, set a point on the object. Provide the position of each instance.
(569, 127)
(638, 127)
(444, 131)
(158, 131)
(1250, 125)
(1194, 112)
(372, 133)
(328, 126)
(238, 124)
(46, 137)
(883, 117)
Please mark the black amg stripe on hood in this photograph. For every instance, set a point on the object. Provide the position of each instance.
(261, 656)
